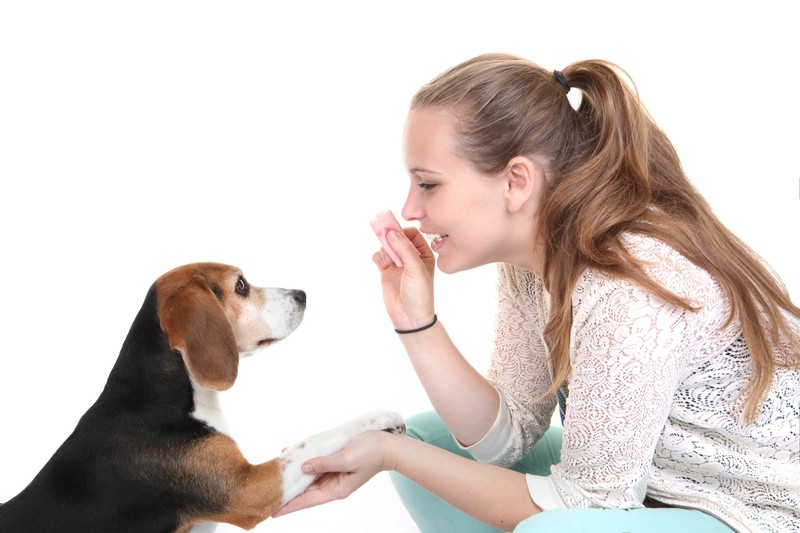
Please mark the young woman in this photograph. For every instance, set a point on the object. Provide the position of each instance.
(670, 347)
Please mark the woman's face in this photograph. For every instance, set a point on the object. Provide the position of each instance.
(462, 211)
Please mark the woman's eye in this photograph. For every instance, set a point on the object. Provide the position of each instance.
(241, 287)
(426, 186)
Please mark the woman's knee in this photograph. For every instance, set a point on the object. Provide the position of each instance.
(428, 427)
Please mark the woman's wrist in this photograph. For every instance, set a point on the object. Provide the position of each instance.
(413, 322)
(423, 337)
(390, 446)
(418, 328)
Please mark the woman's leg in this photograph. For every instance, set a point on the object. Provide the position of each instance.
(622, 521)
(433, 515)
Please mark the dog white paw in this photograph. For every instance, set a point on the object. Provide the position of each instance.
(384, 421)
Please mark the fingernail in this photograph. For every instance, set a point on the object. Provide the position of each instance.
(393, 235)
(308, 468)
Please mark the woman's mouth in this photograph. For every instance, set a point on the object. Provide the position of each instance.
(437, 240)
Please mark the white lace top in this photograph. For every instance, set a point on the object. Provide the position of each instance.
(652, 399)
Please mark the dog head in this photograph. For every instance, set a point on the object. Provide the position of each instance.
(212, 316)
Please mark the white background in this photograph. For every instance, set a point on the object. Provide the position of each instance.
(138, 136)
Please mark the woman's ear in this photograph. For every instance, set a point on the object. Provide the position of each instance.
(523, 179)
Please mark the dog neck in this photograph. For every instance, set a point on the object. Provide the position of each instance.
(207, 408)
(150, 380)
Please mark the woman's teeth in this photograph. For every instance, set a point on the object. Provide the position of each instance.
(435, 237)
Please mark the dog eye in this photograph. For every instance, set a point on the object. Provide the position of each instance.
(242, 287)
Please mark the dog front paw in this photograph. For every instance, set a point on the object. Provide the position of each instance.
(384, 421)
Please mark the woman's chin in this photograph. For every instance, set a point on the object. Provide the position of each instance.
(445, 266)
(451, 263)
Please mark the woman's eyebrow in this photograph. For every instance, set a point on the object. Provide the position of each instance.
(420, 170)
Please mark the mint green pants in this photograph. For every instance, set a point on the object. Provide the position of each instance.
(432, 515)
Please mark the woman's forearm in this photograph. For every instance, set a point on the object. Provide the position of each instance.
(491, 494)
(463, 398)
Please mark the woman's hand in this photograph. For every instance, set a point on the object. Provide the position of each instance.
(407, 290)
(342, 473)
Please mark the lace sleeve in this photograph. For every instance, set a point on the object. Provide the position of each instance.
(629, 352)
(519, 367)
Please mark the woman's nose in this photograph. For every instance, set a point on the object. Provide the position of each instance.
(411, 210)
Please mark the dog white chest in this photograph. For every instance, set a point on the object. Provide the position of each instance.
(207, 408)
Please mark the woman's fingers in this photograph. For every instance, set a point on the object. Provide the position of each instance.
(325, 464)
(410, 245)
(326, 489)
(341, 473)
(382, 259)
(334, 483)
(420, 244)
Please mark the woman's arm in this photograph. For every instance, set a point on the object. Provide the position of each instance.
(465, 400)
(491, 494)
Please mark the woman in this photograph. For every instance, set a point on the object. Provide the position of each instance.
(672, 350)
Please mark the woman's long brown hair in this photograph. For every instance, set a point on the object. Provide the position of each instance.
(610, 170)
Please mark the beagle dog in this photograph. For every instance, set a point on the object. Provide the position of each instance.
(150, 454)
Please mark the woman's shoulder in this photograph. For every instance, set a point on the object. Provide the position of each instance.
(665, 266)
(669, 268)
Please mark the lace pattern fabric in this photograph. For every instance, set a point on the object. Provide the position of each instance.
(653, 400)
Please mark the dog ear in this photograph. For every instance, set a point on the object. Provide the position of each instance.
(196, 326)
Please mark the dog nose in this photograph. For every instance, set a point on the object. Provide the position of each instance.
(299, 297)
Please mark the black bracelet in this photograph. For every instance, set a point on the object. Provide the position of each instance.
(423, 328)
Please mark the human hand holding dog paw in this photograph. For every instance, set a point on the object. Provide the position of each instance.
(344, 472)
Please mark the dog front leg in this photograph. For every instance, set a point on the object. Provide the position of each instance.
(256, 492)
